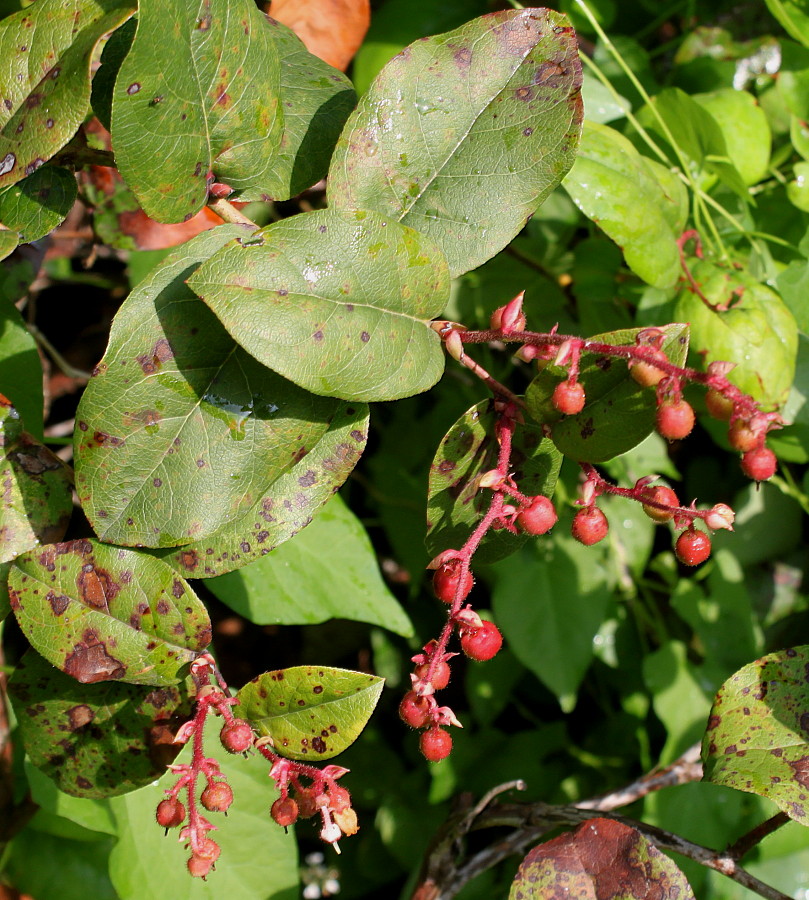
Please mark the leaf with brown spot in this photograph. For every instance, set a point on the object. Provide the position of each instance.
(311, 713)
(331, 29)
(600, 860)
(77, 610)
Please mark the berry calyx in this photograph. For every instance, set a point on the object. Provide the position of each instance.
(483, 643)
(693, 547)
(663, 495)
(440, 677)
(217, 797)
(718, 405)
(446, 579)
(568, 397)
(199, 867)
(414, 710)
(759, 464)
(435, 744)
(589, 526)
(675, 419)
(744, 436)
(236, 736)
(170, 813)
(645, 373)
(284, 811)
(539, 517)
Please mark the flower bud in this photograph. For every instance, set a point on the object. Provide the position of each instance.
(509, 318)
(720, 516)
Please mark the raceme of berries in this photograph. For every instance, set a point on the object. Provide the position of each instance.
(675, 419)
(693, 547)
(538, 517)
(482, 643)
(664, 496)
(568, 397)
(284, 811)
(435, 744)
(759, 464)
(236, 736)
(589, 525)
(446, 579)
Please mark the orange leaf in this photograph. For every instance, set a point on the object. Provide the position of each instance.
(331, 29)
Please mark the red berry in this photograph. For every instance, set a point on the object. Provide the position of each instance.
(446, 579)
(170, 813)
(743, 436)
(589, 526)
(199, 867)
(208, 850)
(759, 464)
(660, 494)
(339, 799)
(284, 811)
(693, 547)
(675, 420)
(718, 405)
(539, 517)
(568, 397)
(483, 643)
(435, 744)
(307, 805)
(217, 797)
(414, 710)
(644, 373)
(440, 677)
(236, 736)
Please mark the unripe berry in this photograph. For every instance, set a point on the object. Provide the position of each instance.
(284, 811)
(589, 526)
(568, 397)
(539, 517)
(217, 797)
(483, 643)
(236, 736)
(199, 867)
(307, 805)
(644, 373)
(744, 436)
(718, 405)
(759, 464)
(446, 579)
(435, 744)
(720, 516)
(440, 677)
(675, 420)
(660, 494)
(208, 850)
(693, 547)
(339, 799)
(414, 710)
(170, 813)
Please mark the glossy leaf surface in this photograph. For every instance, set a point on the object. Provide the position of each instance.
(311, 713)
(339, 303)
(100, 613)
(38, 204)
(463, 135)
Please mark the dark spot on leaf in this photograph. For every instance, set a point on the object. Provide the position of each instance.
(528, 131)
(365, 337)
(262, 536)
(33, 100)
(133, 88)
(200, 463)
(317, 689)
(587, 429)
(333, 729)
(177, 588)
(604, 363)
(49, 123)
(801, 769)
(322, 229)
(96, 586)
(90, 663)
(7, 103)
(524, 94)
(446, 465)
(58, 603)
(197, 168)
(34, 165)
(319, 745)
(307, 479)
(84, 783)
(102, 438)
(157, 482)
(318, 335)
(163, 607)
(79, 716)
(301, 703)
(714, 722)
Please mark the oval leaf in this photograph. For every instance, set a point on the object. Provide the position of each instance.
(100, 613)
(338, 303)
(311, 714)
(38, 204)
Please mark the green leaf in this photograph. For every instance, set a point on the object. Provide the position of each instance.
(187, 414)
(48, 53)
(798, 189)
(793, 16)
(756, 740)
(258, 861)
(310, 713)
(100, 613)
(35, 206)
(8, 242)
(92, 814)
(618, 413)
(615, 186)
(113, 54)
(328, 572)
(214, 108)
(455, 503)
(793, 286)
(339, 303)
(36, 502)
(20, 367)
(94, 740)
(758, 333)
(463, 135)
(287, 506)
(792, 85)
(598, 859)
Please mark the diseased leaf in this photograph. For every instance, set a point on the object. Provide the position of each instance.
(35, 206)
(100, 613)
(47, 54)
(601, 859)
(455, 503)
(311, 713)
(213, 114)
(95, 740)
(339, 303)
(463, 135)
(201, 429)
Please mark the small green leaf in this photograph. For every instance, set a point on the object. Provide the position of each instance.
(94, 740)
(216, 108)
(35, 206)
(8, 242)
(463, 135)
(793, 16)
(339, 303)
(328, 572)
(798, 189)
(100, 613)
(455, 503)
(602, 858)
(310, 714)
(756, 740)
(20, 366)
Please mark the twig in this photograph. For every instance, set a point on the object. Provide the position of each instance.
(56, 356)
(756, 835)
(229, 213)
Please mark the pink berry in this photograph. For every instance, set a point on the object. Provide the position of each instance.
(744, 436)
(693, 547)
(199, 867)
(568, 397)
(440, 677)
(664, 495)
(307, 805)
(483, 643)
(675, 420)
(414, 710)
(236, 736)
(284, 811)
(170, 813)
(435, 744)
(217, 797)
(208, 850)
(446, 579)
(718, 405)
(539, 517)
(646, 374)
(589, 526)
(759, 464)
